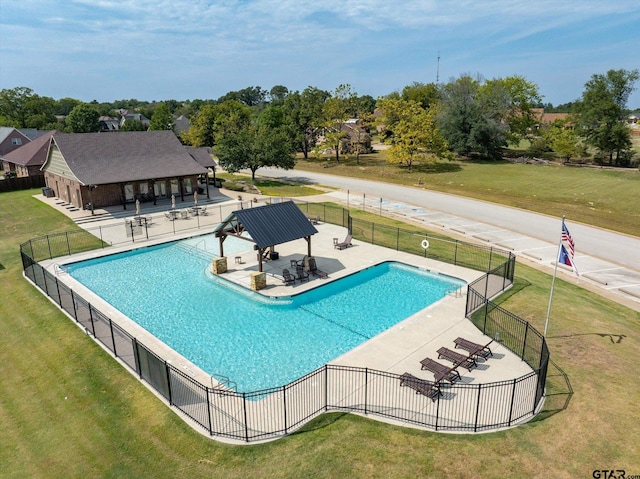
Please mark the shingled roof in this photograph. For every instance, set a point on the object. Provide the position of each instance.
(202, 155)
(103, 158)
(271, 224)
(33, 153)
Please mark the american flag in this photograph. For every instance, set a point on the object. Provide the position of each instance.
(568, 240)
(567, 249)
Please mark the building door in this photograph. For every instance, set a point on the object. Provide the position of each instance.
(160, 189)
(68, 194)
(128, 192)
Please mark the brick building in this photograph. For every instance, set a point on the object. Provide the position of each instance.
(91, 170)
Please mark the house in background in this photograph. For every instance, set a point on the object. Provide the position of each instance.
(135, 117)
(108, 124)
(29, 158)
(90, 170)
(10, 139)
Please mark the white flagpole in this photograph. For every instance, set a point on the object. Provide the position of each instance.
(553, 281)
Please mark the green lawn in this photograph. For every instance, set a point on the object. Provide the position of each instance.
(600, 197)
(67, 409)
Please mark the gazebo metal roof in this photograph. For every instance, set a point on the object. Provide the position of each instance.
(267, 226)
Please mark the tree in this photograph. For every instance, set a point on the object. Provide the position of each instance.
(563, 139)
(336, 111)
(12, 105)
(83, 119)
(601, 112)
(511, 101)
(214, 121)
(132, 125)
(414, 133)
(278, 94)
(304, 115)
(471, 123)
(161, 119)
(256, 145)
(425, 94)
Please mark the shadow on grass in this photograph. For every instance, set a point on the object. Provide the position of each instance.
(436, 167)
(322, 421)
(558, 393)
(618, 337)
(1, 266)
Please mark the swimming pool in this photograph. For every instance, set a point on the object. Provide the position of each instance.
(257, 342)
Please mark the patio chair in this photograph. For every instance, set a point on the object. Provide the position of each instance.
(457, 359)
(421, 386)
(169, 216)
(184, 214)
(344, 244)
(313, 269)
(203, 211)
(301, 273)
(474, 349)
(440, 371)
(288, 278)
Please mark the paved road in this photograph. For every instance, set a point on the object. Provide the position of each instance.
(614, 247)
(611, 260)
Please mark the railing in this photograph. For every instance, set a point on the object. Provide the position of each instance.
(270, 413)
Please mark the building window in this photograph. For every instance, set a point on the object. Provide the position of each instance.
(16, 141)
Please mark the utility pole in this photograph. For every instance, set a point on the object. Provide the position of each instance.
(438, 69)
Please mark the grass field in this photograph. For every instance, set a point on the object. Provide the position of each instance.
(600, 197)
(67, 409)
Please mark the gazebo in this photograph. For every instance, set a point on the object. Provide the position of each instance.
(267, 226)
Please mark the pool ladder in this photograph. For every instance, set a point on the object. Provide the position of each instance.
(223, 383)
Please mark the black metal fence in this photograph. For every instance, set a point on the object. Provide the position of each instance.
(270, 413)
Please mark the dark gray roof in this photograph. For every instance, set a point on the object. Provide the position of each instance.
(202, 155)
(273, 224)
(33, 153)
(103, 158)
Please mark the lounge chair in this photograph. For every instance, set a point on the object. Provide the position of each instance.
(169, 216)
(313, 269)
(474, 349)
(288, 278)
(344, 244)
(440, 371)
(457, 359)
(302, 275)
(421, 386)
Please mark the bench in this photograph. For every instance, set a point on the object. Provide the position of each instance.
(421, 386)
(440, 371)
(474, 349)
(457, 359)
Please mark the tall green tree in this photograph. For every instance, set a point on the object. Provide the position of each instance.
(470, 121)
(215, 120)
(426, 94)
(304, 114)
(511, 101)
(256, 145)
(12, 105)
(336, 111)
(601, 111)
(83, 119)
(161, 119)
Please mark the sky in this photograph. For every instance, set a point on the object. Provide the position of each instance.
(108, 50)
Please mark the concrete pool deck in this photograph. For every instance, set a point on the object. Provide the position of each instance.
(396, 350)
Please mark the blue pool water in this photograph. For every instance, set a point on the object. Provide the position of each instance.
(257, 342)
